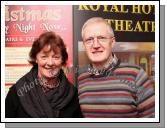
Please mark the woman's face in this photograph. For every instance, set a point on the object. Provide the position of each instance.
(49, 62)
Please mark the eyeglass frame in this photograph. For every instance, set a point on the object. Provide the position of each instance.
(92, 39)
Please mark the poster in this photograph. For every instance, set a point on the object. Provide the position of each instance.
(23, 24)
(134, 29)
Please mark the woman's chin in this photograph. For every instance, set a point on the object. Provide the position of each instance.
(49, 76)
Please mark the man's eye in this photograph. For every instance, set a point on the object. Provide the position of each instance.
(101, 37)
(89, 39)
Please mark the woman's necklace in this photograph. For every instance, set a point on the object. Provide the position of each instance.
(47, 86)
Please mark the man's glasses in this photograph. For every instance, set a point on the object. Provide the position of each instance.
(101, 39)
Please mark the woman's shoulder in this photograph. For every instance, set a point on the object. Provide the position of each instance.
(26, 77)
(20, 82)
(12, 94)
(12, 89)
(72, 86)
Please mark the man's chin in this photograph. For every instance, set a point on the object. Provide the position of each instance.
(97, 61)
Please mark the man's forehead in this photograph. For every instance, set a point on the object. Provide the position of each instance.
(96, 31)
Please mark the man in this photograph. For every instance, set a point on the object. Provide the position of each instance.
(108, 88)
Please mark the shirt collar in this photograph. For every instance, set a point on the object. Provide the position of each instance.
(110, 66)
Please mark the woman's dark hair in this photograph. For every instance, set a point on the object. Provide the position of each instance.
(48, 38)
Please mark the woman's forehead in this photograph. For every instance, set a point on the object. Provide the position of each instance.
(48, 48)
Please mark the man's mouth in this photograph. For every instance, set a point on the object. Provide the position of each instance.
(97, 52)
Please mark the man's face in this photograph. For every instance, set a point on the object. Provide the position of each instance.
(98, 42)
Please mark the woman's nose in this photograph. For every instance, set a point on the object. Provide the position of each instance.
(50, 61)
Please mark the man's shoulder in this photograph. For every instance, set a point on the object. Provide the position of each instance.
(83, 69)
(129, 68)
(83, 72)
(129, 65)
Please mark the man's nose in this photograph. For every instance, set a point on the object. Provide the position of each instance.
(96, 43)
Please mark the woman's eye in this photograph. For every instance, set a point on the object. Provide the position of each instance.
(43, 56)
(56, 57)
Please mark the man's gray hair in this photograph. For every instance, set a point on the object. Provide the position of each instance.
(97, 20)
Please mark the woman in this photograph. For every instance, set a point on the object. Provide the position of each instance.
(44, 91)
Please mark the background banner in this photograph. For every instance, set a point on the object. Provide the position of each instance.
(24, 23)
(134, 28)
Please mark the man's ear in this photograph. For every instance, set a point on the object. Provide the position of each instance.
(84, 45)
(113, 42)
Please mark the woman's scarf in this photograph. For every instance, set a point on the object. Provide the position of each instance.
(39, 104)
